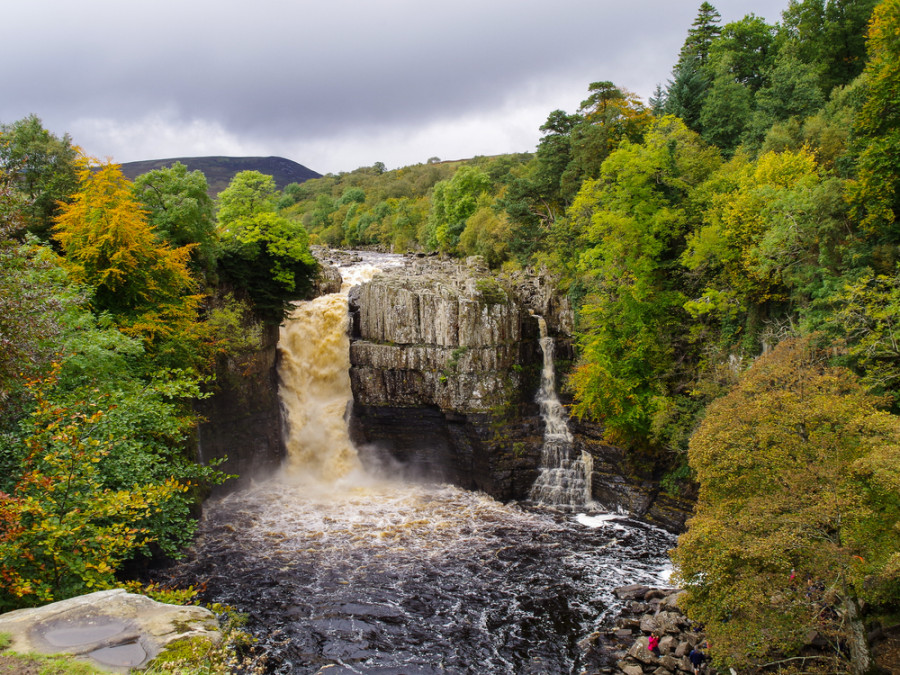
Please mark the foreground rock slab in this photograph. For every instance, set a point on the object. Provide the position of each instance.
(113, 630)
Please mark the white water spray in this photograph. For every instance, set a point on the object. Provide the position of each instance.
(564, 478)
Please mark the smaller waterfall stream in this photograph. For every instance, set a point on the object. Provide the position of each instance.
(564, 478)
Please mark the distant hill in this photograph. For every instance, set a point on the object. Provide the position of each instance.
(220, 170)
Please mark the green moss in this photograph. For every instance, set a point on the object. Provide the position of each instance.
(491, 292)
(38, 664)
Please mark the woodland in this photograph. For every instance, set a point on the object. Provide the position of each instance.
(731, 248)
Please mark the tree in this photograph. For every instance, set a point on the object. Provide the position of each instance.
(63, 532)
(262, 252)
(828, 34)
(726, 110)
(875, 195)
(452, 202)
(701, 35)
(40, 165)
(747, 48)
(110, 246)
(798, 469)
(635, 220)
(180, 210)
(686, 92)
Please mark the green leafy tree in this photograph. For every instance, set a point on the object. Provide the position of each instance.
(798, 470)
(635, 222)
(42, 166)
(867, 317)
(180, 210)
(792, 90)
(64, 532)
(727, 109)
(262, 252)
(774, 235)
(828, 34)
(747, 49)
(452, 202)
(487, 234)
(876, 193)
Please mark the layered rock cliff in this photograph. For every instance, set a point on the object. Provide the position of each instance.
(445, 366)
(443, 360)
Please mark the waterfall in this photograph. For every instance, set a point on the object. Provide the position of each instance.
(564, 478)
(315, 392)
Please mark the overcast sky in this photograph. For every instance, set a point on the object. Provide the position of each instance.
(333, 84)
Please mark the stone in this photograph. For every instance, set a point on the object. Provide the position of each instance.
(112, 630)
(670, 663)
(671, 601)
(650, 623)
(685, 665)
(661, 671)
(683, 649)
(668, 644)
(631, 592)
(640, 652)
(654, 593)
(630, 668)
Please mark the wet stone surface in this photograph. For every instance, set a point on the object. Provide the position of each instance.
(415, 579)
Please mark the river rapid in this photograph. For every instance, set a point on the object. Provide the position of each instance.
(344, 570)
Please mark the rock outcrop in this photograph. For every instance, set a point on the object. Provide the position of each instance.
(625, 647)
(242, 421)
(443, 365)
(113, 630)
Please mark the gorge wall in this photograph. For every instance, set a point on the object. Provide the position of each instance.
(445, 367)
(242, 421)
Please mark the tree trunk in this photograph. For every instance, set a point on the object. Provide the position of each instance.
(860, 655)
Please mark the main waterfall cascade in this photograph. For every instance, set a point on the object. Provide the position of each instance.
(315, 386)
(343, 572)
(564, 478)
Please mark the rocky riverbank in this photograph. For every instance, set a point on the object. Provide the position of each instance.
(624, 648)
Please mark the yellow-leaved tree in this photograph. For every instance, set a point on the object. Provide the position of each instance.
(799, 470)
(144, 283)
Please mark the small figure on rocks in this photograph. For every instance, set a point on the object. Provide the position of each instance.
(653, 644)
(697, 658)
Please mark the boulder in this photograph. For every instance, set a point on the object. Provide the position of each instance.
(630, 668)
(112, 630)
(668, 644)
(670, 663)
(641, 652)
(631, 592)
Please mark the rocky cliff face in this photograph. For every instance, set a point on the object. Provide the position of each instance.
(443, 360)
(445, 366)
(242, 420)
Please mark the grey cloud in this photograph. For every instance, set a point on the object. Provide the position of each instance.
(269, 70)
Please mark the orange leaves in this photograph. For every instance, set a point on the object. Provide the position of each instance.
(110, 245)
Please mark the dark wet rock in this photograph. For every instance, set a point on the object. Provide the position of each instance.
(242, 421)
(632, 592)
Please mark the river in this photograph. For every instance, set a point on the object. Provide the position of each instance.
(344, 570)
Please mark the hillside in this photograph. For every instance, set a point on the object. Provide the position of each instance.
(220, 170)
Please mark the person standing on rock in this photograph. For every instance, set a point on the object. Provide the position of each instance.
(697, 658)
